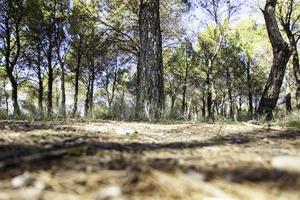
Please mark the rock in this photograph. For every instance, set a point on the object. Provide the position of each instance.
(22, 180)
(287, 163)
(109, 193)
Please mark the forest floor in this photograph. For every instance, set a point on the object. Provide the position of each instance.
(120, 160)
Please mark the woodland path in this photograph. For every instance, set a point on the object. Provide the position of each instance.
(119, 160)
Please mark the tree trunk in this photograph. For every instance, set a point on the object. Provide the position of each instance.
(229, 90)
(91, 97)
(50, 82)
(288, 103)
(203, 107)
(209, 93)
(40, 91)
(87, 99)
(293, 40)
(151, 63)
(63, 91)
(173, 99)
(40, 82)
(281, 54)
(250, 93)
(184, 88)
(76, 89)
(296, 67)
(14, 96)
(77, 74)
(11, 57)
(138, 102)
(6, 96)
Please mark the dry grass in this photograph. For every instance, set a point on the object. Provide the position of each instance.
(146, 161)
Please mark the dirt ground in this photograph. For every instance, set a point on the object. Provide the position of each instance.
(119, 160)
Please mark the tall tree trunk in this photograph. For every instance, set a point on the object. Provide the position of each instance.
(286, 21)
(295, 61)
(76, 89)
(40, 91)
(6, 97)
(229, 89)
(209, 92)
(11, 57)
(281, 54)
(50, 87)
(77, 74)
(151, 63)
(250, 89)
(40, 81)
(91, 97)
(63, 91)
(138, 102)
(87, 99)
(296, 67)
(203, 107)
(184, 88)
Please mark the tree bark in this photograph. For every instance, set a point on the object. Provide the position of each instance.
(209, 93)
(203, 107)
(173, 99)
(63, 91)
(250, 89)
(151, 63)
(288, 103)
(41, 87)
(77, 74)
(296, 67)
(91, 97)
(87, 99)
(11, 52)
(50, 82)
(138, 102)
(281, 53)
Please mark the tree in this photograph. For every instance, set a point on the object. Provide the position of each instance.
(220, 12)
(289, 16)
(151, 91)
(12, 16)
(281, 56)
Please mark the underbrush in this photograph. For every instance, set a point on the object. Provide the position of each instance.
(291, 120)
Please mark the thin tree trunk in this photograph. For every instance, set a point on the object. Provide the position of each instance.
(40, 91)
(63, 91)
(77, 74)
(229, 89)
(250, 93)
(209, 93)
(87, 99)
(281, 54)
(203, 107)
(173, 99)
(50, 83)
(91, 97)
(184, 88)
(6, 96)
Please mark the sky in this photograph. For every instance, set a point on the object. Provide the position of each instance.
(197, 18)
